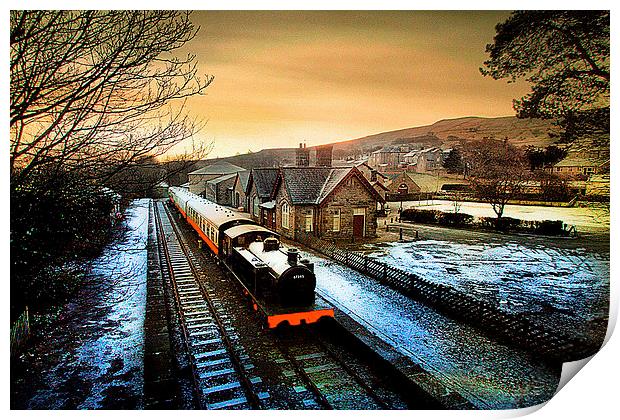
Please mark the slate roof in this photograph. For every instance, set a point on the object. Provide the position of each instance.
(218, 168)
(244, 177)
(312, 185)
(265, 180)
(222, 178)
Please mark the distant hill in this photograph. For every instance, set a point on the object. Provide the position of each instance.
(521, 132)
(444, 133)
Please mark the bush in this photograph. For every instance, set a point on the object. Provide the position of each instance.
(57, 222)
(503, 224)
(420, 216)
(506, 224)
(550, 227)
(455, 219)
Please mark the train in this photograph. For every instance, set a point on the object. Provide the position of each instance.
(280, 285)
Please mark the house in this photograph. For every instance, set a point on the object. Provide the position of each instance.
(573, 166)
(371, 174)
(334, 203)
(381, 189)
(389, 157)
(259, 192)
(238, 194)
(198, 179)
(219, 190)
(403, 184)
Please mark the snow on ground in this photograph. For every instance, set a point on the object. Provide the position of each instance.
(593, 218)
(488, 374)
(98, 352)
(516, 277)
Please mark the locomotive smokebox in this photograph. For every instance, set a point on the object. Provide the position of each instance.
(292, 256)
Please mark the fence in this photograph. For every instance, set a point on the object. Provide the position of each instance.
(516, 329)
(20, 331)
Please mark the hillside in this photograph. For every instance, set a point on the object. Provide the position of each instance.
(444, 133)
(521, 132)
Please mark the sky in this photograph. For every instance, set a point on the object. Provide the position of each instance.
(317, 77)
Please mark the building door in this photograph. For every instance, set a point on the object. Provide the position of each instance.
(359, 222)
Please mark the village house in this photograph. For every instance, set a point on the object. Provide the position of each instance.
(573, 166)
(426, 160)
(381, 189)
(259, 192)
(402, 185)
(333, 203)
(219, 190)
(388, 158)
(239, 188)
(198, 179)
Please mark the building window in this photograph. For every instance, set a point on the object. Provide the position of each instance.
(308, 225)
(286, 214)
(336, 227)
(255, 206)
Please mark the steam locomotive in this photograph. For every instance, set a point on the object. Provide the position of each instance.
(280, 285)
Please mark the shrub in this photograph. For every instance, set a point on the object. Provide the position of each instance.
(550, 227)
(420, 216)
(455, 219)
(57, 222)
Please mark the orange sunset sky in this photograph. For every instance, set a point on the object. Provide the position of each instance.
(286, 77)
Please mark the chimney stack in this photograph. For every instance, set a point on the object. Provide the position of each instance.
(324, 156)
(302, 155)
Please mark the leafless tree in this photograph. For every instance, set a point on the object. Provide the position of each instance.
(99, 91)
(498, 171)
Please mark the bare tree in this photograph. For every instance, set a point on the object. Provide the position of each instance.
(498, 171)
(98, 91)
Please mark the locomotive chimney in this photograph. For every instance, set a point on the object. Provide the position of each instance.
(307, 263)
(292, 256)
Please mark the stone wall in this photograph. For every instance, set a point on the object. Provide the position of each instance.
(242, 199)
(347, 197)
(197, 183)
(281, 198)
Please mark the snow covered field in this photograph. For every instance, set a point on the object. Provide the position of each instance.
(594, 218)
(96, 355)
(516, 277)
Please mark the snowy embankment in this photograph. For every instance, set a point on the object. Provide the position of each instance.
(98, 351)
(488, 374)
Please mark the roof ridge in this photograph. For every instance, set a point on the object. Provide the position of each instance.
(318, 198)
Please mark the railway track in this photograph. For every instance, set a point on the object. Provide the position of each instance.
(221, 370)
(441, 376)
(327, 380)
(317, 371)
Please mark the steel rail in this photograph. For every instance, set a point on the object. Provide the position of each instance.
(163, 247)
(251, 396)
